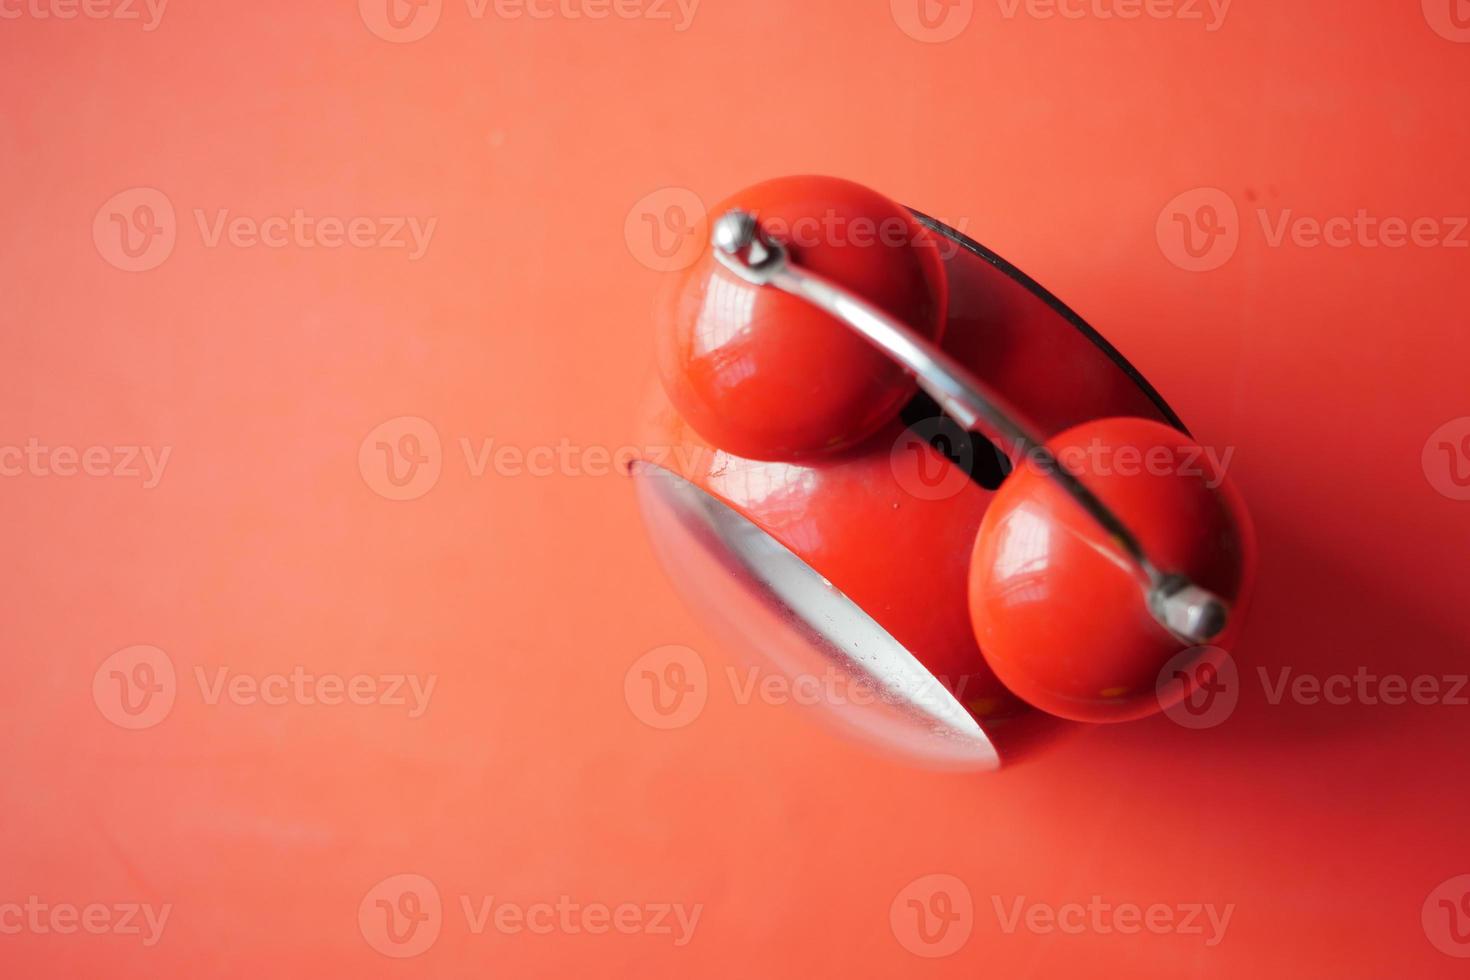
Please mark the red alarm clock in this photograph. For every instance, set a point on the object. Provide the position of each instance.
(892, 466)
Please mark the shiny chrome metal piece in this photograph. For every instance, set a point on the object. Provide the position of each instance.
(1188, 611)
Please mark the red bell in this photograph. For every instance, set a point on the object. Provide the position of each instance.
(767, 375)
(1055, 611)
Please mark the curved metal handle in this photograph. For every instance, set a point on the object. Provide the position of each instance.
(1190, 612)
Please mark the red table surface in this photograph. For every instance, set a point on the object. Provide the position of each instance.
(540, 147)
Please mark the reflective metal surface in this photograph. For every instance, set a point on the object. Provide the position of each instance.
(786, 614)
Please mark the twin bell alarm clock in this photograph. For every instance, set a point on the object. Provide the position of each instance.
(891, 461)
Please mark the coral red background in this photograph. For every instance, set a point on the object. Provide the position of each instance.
(538, 145)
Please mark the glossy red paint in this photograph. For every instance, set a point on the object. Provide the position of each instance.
(887, 519)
